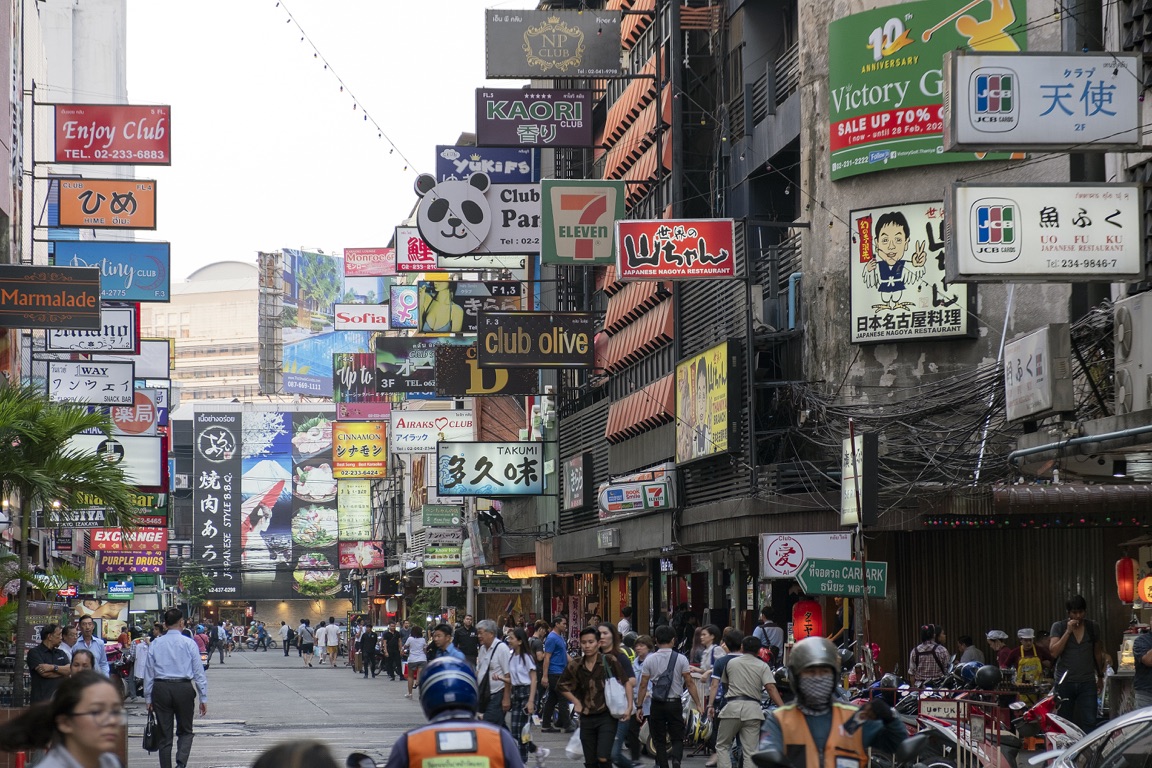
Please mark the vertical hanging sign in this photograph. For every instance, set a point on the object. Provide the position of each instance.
(216, 468)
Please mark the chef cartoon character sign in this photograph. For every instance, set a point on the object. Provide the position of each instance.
(888, 270)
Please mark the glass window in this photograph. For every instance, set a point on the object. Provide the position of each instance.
(1127, 747)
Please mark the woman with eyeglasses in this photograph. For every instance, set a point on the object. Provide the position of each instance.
(81, 725)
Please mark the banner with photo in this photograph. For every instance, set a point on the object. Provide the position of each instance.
(452, 306)
(896, 272)
(702, 405)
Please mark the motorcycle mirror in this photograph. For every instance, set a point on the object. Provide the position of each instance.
(769, 758)
(911, 747)
(359, 760)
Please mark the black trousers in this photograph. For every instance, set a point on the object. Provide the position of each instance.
(368, 661)
(666, 723)
(597, 732)
(392, 664)
(174, 699)
(564, 719)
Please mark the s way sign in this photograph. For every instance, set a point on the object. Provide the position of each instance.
(783, 554)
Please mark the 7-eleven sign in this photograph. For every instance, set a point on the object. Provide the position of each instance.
(579, 219)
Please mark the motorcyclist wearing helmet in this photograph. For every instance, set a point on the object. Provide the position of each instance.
(449, 694)
(819, 732)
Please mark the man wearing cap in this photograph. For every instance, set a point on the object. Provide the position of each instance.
(997, 641)
(1029, 660)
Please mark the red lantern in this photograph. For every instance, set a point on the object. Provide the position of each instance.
(1126, 579)
(1143, 589)
(807, 620)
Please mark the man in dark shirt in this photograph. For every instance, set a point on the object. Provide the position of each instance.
(367, 650)
(47, 664)
(467, 641)
(391, 643)
(1076, 645)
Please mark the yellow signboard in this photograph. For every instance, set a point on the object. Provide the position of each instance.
(359, 449)
(702, 426)
(108, 203)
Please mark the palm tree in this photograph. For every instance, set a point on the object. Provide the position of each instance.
(40, 471)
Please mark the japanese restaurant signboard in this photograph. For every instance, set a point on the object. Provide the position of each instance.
(490, 469)
(670, 249)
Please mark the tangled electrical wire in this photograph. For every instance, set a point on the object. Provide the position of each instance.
(943, 437)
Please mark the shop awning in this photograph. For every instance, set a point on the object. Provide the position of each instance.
(642, 410)
(632, 302)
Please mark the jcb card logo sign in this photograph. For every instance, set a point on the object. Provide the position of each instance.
(994, 224)
(578, 220)
(994, 99)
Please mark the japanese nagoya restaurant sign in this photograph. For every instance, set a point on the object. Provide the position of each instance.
(129, 271)
(578, 220)
(899, 291)
(359, 449)
(49, 297)
(139, 540)
(459, 375)
(113, 134)
(489, 469)
(108, 203)
(547, 44)
(369, 262)
(1045, 232)
(676, 249)
(515, 117)
(536, 339)
(886, 83)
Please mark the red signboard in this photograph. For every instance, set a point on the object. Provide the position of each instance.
(113, 134)
(369, 262)
(133, 562)
(676, 249)
(139, 540)
(69, 591)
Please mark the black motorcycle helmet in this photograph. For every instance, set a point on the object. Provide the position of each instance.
(988, 678)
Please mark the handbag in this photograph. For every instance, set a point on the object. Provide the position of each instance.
(151, 734)
(614, 694)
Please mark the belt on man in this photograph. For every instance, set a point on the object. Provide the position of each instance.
(741, 698)
(667, 701)
(173, 679)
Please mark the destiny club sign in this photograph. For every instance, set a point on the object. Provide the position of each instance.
(113, 134)
(513, 117)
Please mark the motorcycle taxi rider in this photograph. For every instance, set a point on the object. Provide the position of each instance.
(817, 731)
(449, 695)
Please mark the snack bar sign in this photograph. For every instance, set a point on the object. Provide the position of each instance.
(113, 134)
(663, 249)
(95, 383)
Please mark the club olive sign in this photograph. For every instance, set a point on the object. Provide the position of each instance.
(535, 339)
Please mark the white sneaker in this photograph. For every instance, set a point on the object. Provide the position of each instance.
(542, 753)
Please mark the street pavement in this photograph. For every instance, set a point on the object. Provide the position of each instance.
(259, 699)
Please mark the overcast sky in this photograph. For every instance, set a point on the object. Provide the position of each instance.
(266, 151)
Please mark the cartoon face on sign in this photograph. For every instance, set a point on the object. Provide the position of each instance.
(454, 216)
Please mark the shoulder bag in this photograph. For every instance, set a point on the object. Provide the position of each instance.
(614, 694)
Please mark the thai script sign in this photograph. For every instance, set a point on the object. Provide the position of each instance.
(551, 44)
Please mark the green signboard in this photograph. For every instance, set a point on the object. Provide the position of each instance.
(885, 79)
(442, 557)
(500, 584)
(843, 578)
(441, 515)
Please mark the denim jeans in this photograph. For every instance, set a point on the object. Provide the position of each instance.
(1079, 704)
(619, 758)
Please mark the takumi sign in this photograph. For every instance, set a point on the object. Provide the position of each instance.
(113, 134)
(139, 540)
(535, 339)
(108, 203)
(49, 297)
(489, 469)
(671, 249)
(578, 220)
(514, 117)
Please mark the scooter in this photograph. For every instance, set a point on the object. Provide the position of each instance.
(1041, 718)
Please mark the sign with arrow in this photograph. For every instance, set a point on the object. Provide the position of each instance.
(842, 578)
(443, 577)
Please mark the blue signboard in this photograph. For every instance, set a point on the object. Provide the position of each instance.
(504, 165)
(121, 590)
(129, 271)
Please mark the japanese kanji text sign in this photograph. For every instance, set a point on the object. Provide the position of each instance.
(113, 134)
(354, 510)
(50, 297)
(578, 220)
(108, 203)
(217, 466)
(359, 449)
(412, 253)
(1045, 233)
(119, 332)
(1042, 101)
(675, 249)
(782, 555)
(95, 383)
(490, 469)
(513, 117)
(452, 306)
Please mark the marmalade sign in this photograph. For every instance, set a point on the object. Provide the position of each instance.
(59, 298)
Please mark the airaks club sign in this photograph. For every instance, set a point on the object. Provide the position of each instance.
(420, 431)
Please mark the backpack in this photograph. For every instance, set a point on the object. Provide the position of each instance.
(931, 652)
(291, 634)
(769, 654)
(662, 685)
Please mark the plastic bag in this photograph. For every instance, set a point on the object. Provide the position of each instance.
(526, 732)
(574, 750)
(615, 697)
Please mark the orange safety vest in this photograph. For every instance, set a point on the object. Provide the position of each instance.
(840, 751)
(456, 744)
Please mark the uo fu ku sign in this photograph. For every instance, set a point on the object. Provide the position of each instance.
(535, 339)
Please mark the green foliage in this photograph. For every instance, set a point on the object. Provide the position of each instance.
(195, 584)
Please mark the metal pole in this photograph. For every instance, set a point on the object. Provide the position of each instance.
(864, 633)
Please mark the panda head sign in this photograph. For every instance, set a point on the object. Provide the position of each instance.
(462, 216)
(454, 216)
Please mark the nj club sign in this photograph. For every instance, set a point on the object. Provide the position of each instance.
(578, 220)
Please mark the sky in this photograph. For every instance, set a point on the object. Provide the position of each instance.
(267, 152)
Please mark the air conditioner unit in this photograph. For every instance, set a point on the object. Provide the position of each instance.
(1132, 342)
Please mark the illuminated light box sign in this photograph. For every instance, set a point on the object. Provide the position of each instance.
(490, 469)
(515, 117)
(676, 249)
(578, 220)
(63, 298)
(536, 339)
(107, 203)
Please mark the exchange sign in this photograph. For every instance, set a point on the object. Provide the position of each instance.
(108, 203)
(578, 220)
(514, 117)
(139, 540)
(676, 249)
(113, 134)
(490, 469)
